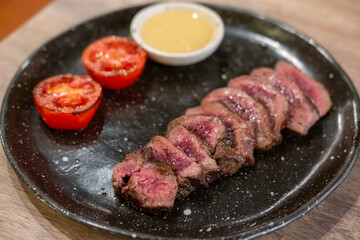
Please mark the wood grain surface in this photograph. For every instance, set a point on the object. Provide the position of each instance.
(332, 23)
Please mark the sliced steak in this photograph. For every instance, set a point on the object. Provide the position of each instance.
(302, 114)
(248, 109)
(187, 171)
(209, 129)
(192, 147)
(267, 95)
(314, 90)
(236, 149)
(149, 186)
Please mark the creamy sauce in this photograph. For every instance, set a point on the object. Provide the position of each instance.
(177, 31)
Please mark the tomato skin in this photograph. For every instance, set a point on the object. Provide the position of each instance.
(63, 113)
(115, 62)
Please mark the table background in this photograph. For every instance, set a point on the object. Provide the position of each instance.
(12, 16)
(332, 23)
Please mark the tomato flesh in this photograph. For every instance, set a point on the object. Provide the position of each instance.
(115, 62)
(67, 102)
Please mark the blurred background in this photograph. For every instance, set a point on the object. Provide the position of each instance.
(15, 12)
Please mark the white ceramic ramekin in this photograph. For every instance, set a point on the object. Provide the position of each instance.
(177, 59)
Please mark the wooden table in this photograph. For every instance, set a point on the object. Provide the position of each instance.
(334, 24)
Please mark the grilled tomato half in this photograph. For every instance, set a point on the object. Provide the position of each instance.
(115, 62)
(67, 102)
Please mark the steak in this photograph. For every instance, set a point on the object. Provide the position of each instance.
(248, 109)
(145, 184)
(209, 129)
(302, 114)
(193, 148)
(219, 136)
(188, 172)
(314, 90)
(267, 95)
(236, 149)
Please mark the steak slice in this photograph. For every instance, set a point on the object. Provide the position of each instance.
(236, 149)
(209, 129)
(302, 114)
(314, 90)
(248, 109)
(267, 95)
(192, 147)
(187, 171)
(148, 186)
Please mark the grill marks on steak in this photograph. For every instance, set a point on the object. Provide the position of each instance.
(193, 148)
(268, 96)
(315, 91)
(251, 111)
(236, 149)
(145, 184)
(219, 136)
(188, 172)
(302, 114)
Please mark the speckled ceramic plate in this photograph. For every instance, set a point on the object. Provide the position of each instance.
(71, 171)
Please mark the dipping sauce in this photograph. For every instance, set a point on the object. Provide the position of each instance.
(177, 31)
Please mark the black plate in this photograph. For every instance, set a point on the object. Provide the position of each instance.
(71, 171)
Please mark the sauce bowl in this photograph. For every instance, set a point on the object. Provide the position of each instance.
(178, 59)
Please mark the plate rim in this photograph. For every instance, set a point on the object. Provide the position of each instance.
(260, 229)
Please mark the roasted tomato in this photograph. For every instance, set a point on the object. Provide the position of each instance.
(115, 62)
(67, 101)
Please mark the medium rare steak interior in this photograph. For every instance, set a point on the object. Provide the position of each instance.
(315, 91)
(192, 146)
(268, 96)
(218, 137)
(210, 129)
(302, 113)
(236, 149)
(144, 183)
(251, 111)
